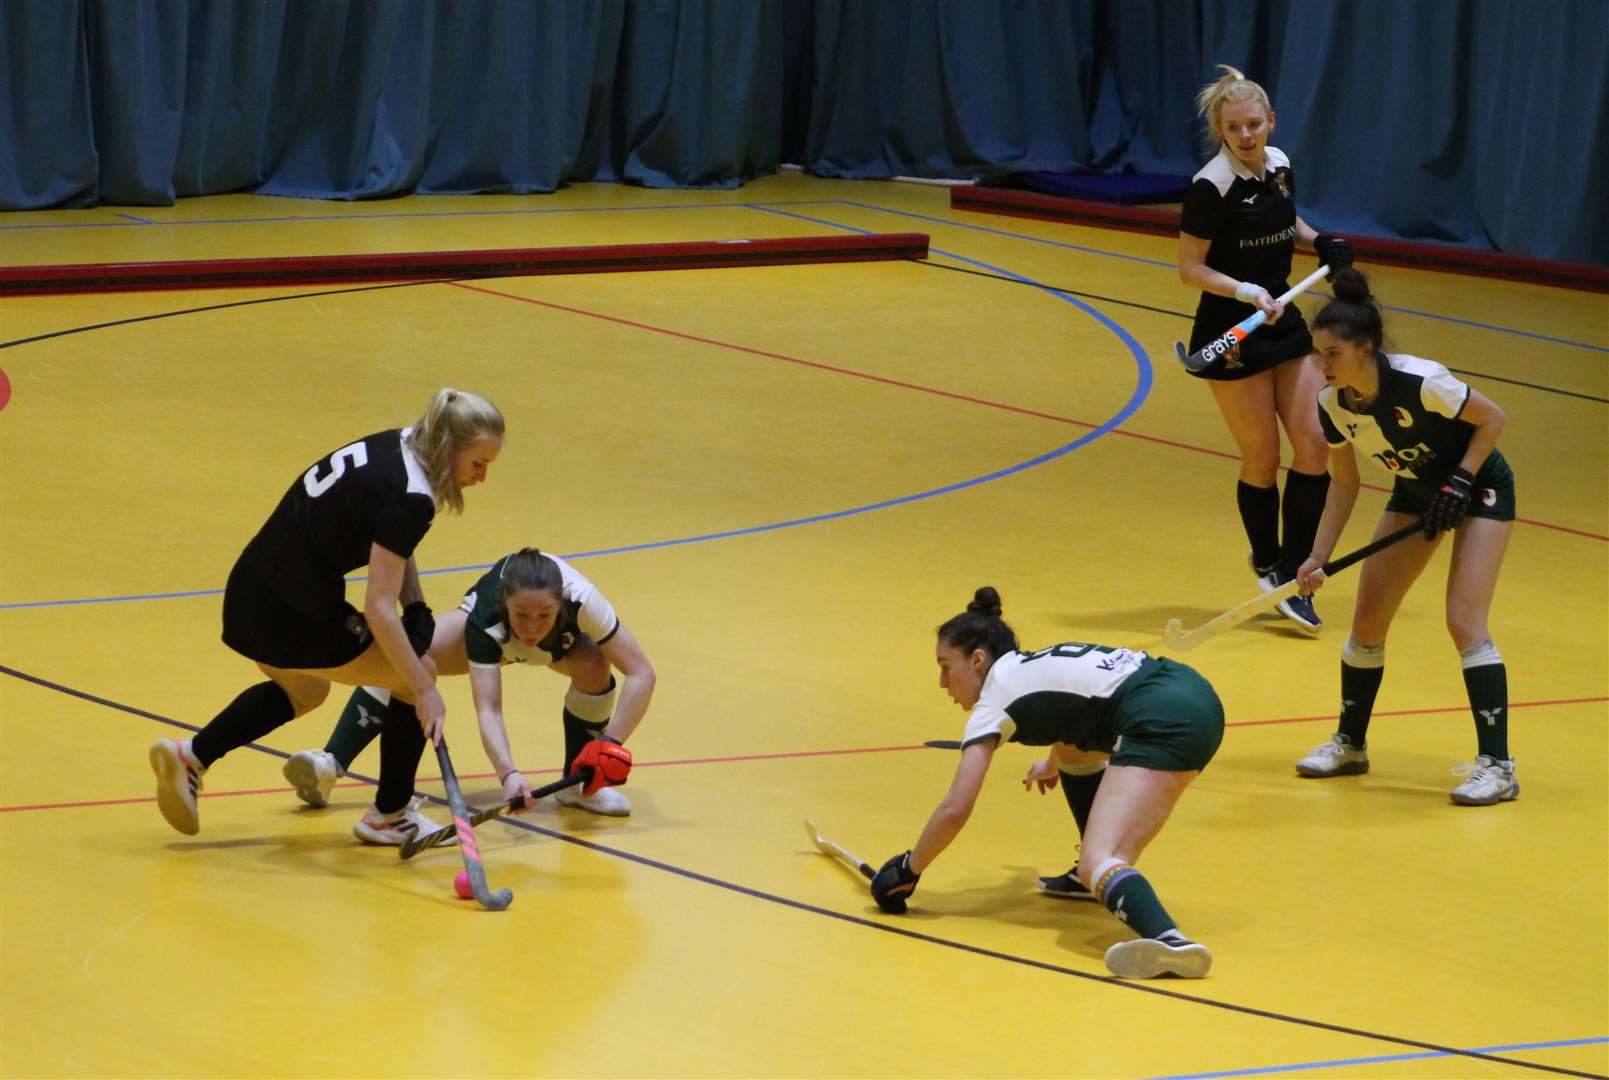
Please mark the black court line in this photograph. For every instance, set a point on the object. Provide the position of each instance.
(1188, 315)
(858, 920)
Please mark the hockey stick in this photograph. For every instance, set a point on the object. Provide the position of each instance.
(827, 847)
(1209, 353)
(481, 817)
(944, 744)
(473, 867)
(1178, 638)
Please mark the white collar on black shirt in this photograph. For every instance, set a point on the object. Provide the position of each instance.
(1239, 168)
(418, 477)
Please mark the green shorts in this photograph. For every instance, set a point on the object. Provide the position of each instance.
(1492, 497)
(1169, 719)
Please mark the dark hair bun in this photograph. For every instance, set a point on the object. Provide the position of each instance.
(985, 602)
(1350, 285)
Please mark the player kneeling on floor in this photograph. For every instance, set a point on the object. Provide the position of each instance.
(1155, 723)
(530, 608)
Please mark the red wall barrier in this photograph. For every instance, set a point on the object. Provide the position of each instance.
(455, 265)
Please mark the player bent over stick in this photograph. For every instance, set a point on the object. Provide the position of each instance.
(370, 502)
(1153, 723)
(529, 608)
(1438, 437)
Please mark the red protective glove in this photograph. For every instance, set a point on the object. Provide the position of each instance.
(609, 761)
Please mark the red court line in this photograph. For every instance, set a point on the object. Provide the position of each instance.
(735, 758)
(918, 387)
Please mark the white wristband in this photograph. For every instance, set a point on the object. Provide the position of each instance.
(1246, 292)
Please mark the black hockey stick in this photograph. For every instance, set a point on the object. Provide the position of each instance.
(481, 817)
(476, 871)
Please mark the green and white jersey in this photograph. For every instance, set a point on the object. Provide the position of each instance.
(490, 643)
(1412, 428)
(1067, 693)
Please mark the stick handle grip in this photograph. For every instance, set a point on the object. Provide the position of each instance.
(1302, 286)
(1370, 548)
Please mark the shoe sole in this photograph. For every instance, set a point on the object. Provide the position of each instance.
(303, 776)
(170, 773)
(1508, 796)
(1356, 768)
(1148, 959)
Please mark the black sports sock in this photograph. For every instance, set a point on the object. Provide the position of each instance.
(402, 744)
(1259, 514)
(1080, 794)
(1359, 685)
(1486, 680)
(254, 713)
(1301, 508)
(577, 733)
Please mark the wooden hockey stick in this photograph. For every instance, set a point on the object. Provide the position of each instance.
(481, 817)
(1219, 347)
(827, 847)
(1178, 638)
(476, 870)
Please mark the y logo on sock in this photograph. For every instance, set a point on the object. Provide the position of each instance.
(1491, 715)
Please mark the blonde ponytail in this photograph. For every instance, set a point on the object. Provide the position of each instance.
(1231, 86)
(452, 420)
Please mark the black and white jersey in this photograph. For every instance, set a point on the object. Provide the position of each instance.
(1412, 427)
(1066, 693)
(373, 491)
(1251, 222)
(490, 642)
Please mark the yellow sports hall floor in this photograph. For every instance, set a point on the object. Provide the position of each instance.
(784, 478)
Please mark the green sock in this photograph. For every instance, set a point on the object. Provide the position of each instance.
(358, 726)
(577, 733)
(1486, 680)
(1127, 894)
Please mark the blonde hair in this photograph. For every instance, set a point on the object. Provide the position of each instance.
(452, 420)
(1231, 86)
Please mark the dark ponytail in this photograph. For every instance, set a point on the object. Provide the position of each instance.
(528, 570)
(1354, 314)
(980, 627)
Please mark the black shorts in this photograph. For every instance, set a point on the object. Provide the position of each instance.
(1270, 345)
(265, 622)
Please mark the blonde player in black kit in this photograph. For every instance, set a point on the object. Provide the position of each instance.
(1151, 723)
(1237, 232)
(366, 504)
(1438, 437)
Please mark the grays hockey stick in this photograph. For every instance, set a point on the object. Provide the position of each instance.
(1178, 638)
(473, 867)
(843, 855)
(481, 817)
(1230, 339)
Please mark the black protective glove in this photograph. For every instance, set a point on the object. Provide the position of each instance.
(1333, 251)
(1449, 505)
(894, 882)
(419, 625)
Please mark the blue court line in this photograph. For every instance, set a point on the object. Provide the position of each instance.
(1173, 266)
(412, 214)
(758, 206)
(1342, 1062)
(1142, 390)
(881, 924)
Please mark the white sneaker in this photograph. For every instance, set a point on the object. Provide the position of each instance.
(1334, 758)
(313, 774)
(396, 829)
(178, 781)
(608, 801)
(1146, 958)
(1486, 781)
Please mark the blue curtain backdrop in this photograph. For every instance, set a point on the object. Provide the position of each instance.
(1477, 122)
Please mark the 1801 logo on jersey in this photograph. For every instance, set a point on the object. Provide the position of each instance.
(1406, 457)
